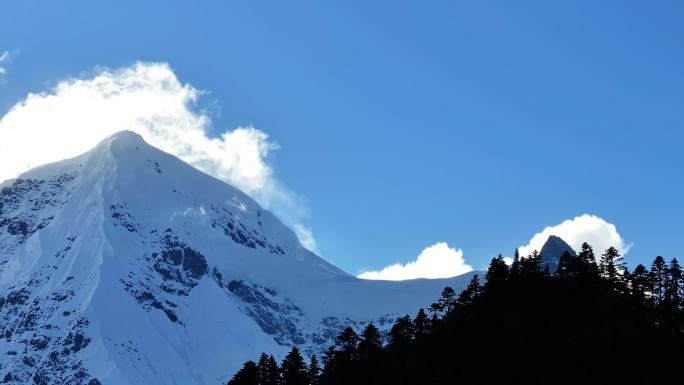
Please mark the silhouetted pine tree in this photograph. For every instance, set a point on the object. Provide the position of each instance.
(421, 323)
(566, 266)
(625, 280)
(370, 353)
(248, 375)
(402, 331)
(448, 299)
(640, 285)
(436, 308)
(611, 267)
(347, 344)
(267, 370)
(587, 259)
(530, 267)
(515, 265)
(471, 292)
(371, 342)
(330, 366)
(272, 372)
(672, 303)
(261, 367)
(673, 284)
(314, 373)
(293, 369)
(497, 275)
(658, 273)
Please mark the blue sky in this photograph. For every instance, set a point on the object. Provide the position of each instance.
(405, 124)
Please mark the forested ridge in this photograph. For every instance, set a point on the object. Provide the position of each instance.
(591, 321)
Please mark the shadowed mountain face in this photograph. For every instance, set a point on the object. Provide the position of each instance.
(551, 252)
(127, 266)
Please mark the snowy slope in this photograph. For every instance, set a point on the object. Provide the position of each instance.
(127, 266)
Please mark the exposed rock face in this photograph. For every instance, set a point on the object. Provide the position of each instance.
(551, 252)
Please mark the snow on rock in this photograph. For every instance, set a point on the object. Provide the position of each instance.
(127, 266)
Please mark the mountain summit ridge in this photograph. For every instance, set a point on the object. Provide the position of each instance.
(126, 265)
(551, 252)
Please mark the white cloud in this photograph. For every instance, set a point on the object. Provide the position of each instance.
(149, 99)
(436, 261)
(305, 236)
(441, 261)
(585, 228)
(4, 57)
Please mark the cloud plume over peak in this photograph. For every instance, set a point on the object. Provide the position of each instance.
(149, 99)
(584, 228)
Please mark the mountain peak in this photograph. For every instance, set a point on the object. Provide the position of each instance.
(126, 135)
(127, 138)
(121, 139)
(126, 251)
(555, 239)
(122, 142)
(554, 247)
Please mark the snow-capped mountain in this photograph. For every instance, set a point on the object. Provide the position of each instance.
(550, 253)
(127, 266)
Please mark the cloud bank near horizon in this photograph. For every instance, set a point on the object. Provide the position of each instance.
(149, 99)
(436, 261)
(442, 261)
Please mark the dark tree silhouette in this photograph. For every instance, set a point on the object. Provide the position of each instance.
(470, 292)
(371, 342)
(587, 259)
(314, 373)
(261, 367)
(580, 326)
(673, 284)
(611, 266)
(347, 344)
(293, 369)
(421, 323)
(640, 284)
(448, 299)
(672, 303)
(330, 365)
(402, 331)
(515, 265)
(497, 274)
(436, 308)
(530, 267)
(566, 265)
(248, 375)
(658, 273)
(267, 370)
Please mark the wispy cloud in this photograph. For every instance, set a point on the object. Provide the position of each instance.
(147, 98)
(436, 261)
(4, 58)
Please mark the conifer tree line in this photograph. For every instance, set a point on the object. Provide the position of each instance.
(590, 321)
